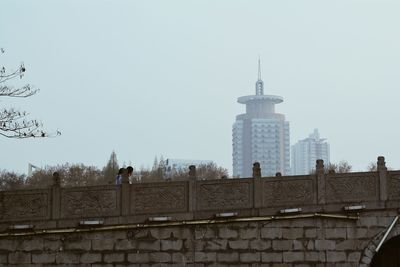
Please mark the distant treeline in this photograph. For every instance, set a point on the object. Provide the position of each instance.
(81, 175)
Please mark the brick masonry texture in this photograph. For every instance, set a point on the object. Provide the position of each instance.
(234, 244)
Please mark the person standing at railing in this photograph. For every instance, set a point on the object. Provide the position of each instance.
(130, 173)
(118, 178)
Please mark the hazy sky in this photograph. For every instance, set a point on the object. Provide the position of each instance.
(148, 78)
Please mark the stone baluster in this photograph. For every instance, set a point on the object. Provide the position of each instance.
(55, 196)
(125, 191)
(383, 179)
(321, 181)
(257, 189)
(192, 189)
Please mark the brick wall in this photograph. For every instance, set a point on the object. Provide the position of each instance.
(280, 243)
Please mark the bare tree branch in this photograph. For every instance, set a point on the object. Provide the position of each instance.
(14, 123)
(4, 76)
(25, 91)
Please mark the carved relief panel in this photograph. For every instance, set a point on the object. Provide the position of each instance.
(352, 187)
(288, 192)
(159, 198)
(24, 205)
(394, 186)
(224, 195)
(89, 202)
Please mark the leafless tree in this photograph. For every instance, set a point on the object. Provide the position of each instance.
(11, 180)
(372, 167)
(72, 175)
(209, 171)
(15, 123)
(341, 167)
(159, 172)
(110, 170)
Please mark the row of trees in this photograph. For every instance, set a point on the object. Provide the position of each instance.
(344, 167)
(341, 167)
(82, 175)
(71, 175)
(160, 171)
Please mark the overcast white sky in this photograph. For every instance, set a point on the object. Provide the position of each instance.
(148, 78)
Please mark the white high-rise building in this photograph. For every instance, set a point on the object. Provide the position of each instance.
(260, 135)
(305, 153)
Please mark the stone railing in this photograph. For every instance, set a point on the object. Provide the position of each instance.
(198, 199)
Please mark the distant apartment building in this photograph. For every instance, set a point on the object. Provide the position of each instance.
(305, 153)
(260, 135)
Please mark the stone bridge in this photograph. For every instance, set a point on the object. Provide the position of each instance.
(319, 220)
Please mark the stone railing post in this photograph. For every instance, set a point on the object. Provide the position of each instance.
(55, 196)
(257, 189)
(256, 170)
(192, 172)
(125, 198)
(192, 189)
(321, 181)
(383, 179)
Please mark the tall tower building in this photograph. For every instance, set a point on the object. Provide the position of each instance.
(305, 153)
(260, 135)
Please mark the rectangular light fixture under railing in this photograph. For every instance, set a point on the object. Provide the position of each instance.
(354, 208)
(290, 210)
(160, 219)
(91, 222)
(226, 214)
(21, 227)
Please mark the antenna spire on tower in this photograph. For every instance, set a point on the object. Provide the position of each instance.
(259, 83)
